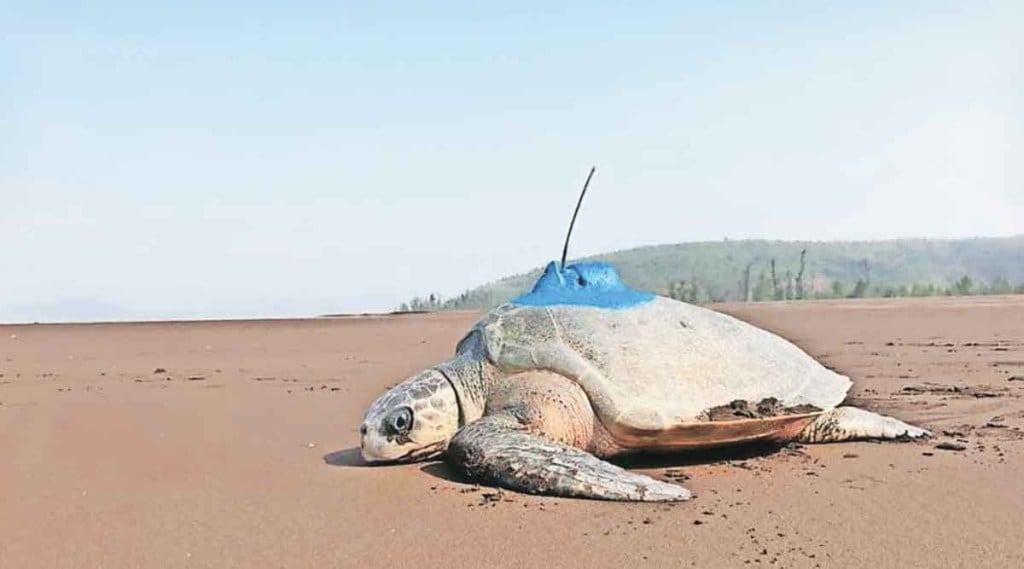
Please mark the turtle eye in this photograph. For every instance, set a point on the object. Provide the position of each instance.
(400, 421)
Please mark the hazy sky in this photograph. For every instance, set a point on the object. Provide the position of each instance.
(183, 161)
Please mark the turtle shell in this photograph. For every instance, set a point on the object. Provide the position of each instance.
(656, 373)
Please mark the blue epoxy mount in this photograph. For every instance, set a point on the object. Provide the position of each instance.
(592, 283)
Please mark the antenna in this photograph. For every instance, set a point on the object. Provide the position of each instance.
(565, 249)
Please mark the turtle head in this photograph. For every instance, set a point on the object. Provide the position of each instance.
(412, 421)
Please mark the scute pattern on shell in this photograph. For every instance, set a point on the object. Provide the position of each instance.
(660, 364)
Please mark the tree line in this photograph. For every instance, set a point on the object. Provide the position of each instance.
(757, 270)
(776, 283)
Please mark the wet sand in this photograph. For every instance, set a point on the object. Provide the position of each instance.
(232, 444)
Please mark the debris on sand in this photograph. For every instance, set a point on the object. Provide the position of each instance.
(159, 370)
(676, 475)
(196, 378)
(1016, 378)
(794, 448)
(976, 391)
(767, 407)
(930, 388)
(490, 497)
(951, 446)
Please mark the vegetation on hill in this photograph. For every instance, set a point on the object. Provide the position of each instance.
(754, 270)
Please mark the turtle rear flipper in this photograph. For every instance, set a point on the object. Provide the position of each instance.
(498, 449)
(852, 423)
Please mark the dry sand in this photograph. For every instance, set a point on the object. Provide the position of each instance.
(251, 463)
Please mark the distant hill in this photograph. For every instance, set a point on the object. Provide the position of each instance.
(716, 271)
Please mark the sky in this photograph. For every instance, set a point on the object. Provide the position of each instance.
(288, 159)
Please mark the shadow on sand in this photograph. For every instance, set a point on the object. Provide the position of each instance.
(720, 455)
(443, 471)
(349, 457)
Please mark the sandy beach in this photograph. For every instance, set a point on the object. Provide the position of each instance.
(233, 444)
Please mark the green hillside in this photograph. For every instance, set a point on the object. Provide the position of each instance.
(716, 271)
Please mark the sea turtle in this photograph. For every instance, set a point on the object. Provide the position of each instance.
(584, 368)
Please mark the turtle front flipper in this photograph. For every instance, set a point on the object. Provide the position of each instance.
(499, 449)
